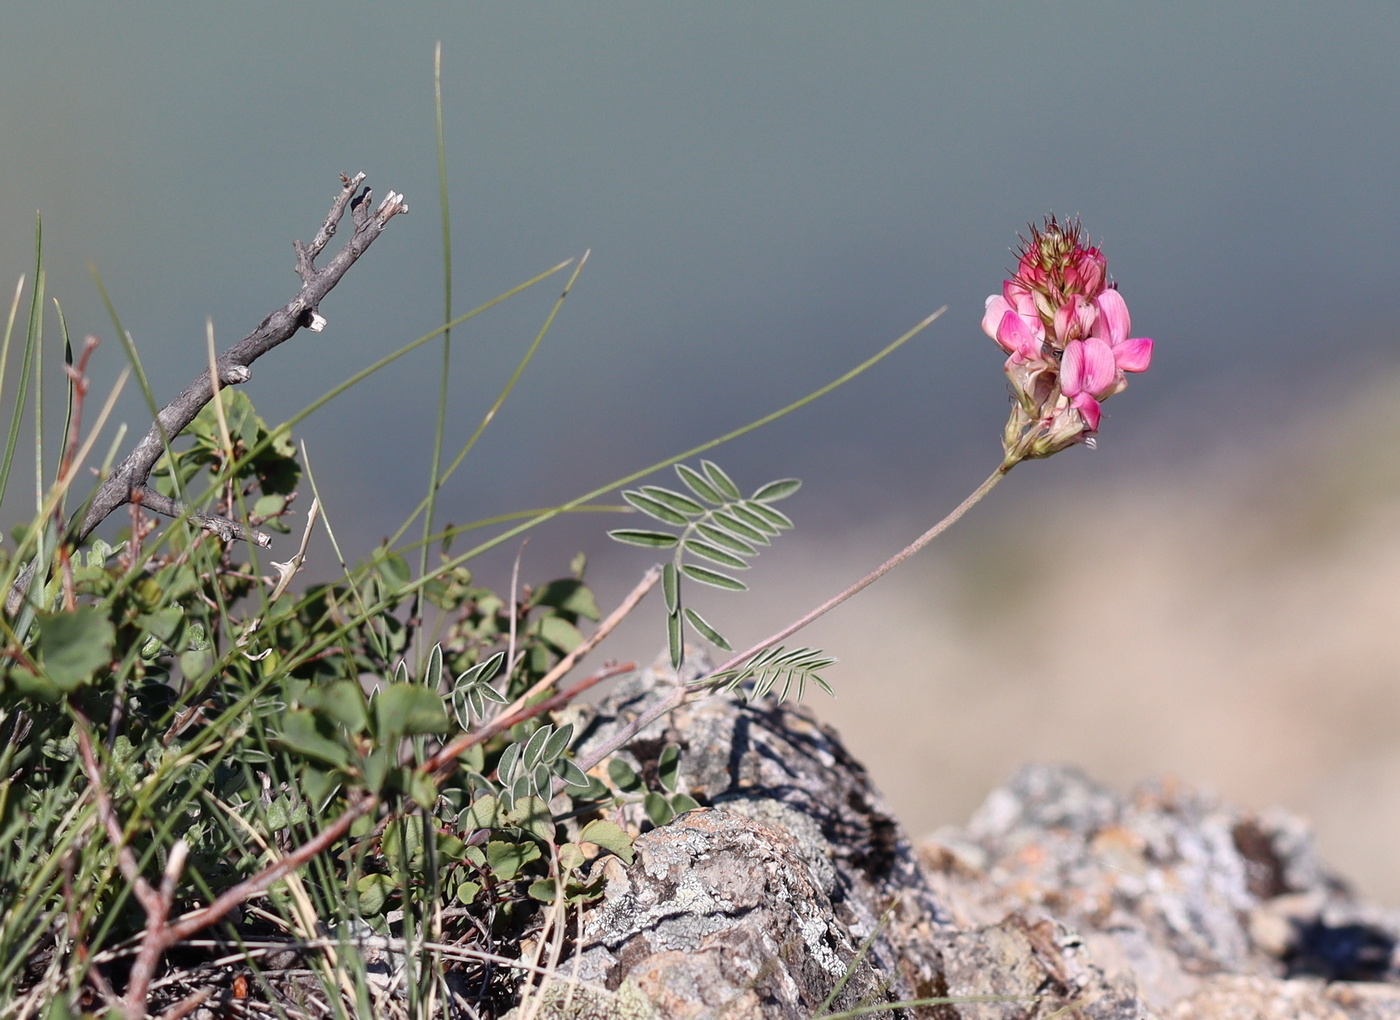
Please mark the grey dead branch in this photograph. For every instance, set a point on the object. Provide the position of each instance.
(129, 481)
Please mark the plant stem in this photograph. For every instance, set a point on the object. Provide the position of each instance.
(678, 696)
(870, 578)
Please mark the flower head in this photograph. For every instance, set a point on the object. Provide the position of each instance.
(1065, 330)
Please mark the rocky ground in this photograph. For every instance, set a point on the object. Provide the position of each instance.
(793, 893)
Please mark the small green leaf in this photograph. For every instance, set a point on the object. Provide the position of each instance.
(505, 859)
(542, 779)
(720, 480)
(482, 672)
(568, 594)
(714, 554)
(340, 700)
(506, 766)
(422, 790)
(72, 646)
(675, 500)
(473, 759)
(571, 857)
(568, 770)
(532, 815)
(269, 506)
(658, 809)
(706, 631)
(654, 508)
(301, 735)
(675, 640)
(726, 539)
(712, 577)
(681, 803)
(407, 709)
(557, 744)
(775, 518)
(668, 767)
(451, 848)
(623, 777)
(318, 787)
(732, 522)
(671, 588)
(697, 484)
(753, 518)
(392, 569)
(636, 536)
(432, 674)
(485, 813)
(467, 892)
(558, 633)
(610, 836)
(163, 624)
(774, 491)
(402, 843)
(377, 767)
(533, 752)
(542, 889)
(373, 892)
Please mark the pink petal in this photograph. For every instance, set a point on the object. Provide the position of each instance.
(1134, 355)
(1090, 409)
(1100, 368)
(1114, 323)
(1016, 336)
(1072, 369)
(1018, 296)
(1074, 319)
(997, 306)
(1087, 367)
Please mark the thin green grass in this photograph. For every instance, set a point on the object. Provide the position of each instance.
(31, 340)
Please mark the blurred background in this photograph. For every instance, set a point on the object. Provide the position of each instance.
(770, 194)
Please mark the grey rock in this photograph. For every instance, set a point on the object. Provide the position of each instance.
(1203, 910)
(793, 893)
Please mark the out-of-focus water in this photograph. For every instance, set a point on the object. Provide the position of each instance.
(770, 194)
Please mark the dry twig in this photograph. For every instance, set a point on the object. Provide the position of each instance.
(131, 477)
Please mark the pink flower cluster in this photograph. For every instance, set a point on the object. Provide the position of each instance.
(1065, 330)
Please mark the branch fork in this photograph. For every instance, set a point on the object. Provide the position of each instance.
(130, 481)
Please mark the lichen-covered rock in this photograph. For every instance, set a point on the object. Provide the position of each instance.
(1205, 911)
(795, 893)
(724, 914)
(792, 893)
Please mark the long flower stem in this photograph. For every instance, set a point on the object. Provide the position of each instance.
(678, 696)
(870, 578)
